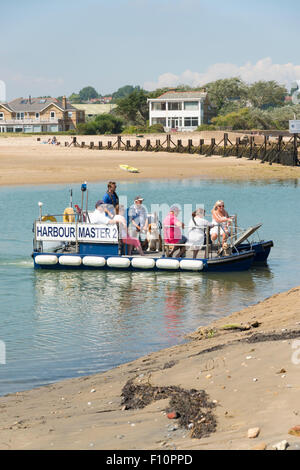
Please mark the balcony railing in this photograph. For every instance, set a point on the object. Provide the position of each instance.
(30, 121)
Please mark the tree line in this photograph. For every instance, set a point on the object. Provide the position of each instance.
(236, 105)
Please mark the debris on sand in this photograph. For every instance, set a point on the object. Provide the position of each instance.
(193, 407)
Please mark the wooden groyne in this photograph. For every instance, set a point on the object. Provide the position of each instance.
(279, 150)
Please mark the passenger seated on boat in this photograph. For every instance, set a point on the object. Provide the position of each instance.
(172, 232)
(221, 221)
(127, 240)
(99, 215)
(197, 231)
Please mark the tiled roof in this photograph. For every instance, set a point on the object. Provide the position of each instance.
(35, 104)
(6, 105)
(183, 95)
(95, 108)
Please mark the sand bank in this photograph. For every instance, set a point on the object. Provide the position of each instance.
(250, 373)
(24, 160)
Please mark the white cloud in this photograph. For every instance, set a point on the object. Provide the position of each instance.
(263, 69)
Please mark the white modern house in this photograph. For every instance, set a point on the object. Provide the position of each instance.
(180, 110)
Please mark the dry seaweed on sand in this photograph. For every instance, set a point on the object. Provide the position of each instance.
(193, 408)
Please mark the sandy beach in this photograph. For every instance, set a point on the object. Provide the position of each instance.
(24, 160)
(247, 364)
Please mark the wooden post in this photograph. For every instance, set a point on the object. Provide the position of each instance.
(190, 145)
(119, 142)
(201, 146)
(168, 142)
(213, 144)
(82, 144)
(158, 143)
(251, 147)
(225, 144)
(279, 148)
(237, 143)
(127, 144)
(148, 144)
(265, 146)
(109, 146)
(100, 145)
(295, 153)
(91, 145)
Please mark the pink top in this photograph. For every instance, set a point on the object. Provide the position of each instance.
(172, 234)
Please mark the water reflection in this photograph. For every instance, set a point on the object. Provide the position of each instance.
(136, 305)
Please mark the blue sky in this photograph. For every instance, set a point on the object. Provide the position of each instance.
(56, 47)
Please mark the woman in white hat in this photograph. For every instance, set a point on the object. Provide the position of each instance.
(138, 218)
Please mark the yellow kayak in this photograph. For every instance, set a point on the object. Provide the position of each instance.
(131, 169)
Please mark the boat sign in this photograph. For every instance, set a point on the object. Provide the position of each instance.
(66, 232)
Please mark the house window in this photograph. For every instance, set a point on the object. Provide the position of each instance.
(52, 114)
(159, 121)
(174, 106)
(191, 122)
(174, 122)
(191, 105)
(1, 116)
(37, 115)
(70, 114)
(158, 106)
(20, 116)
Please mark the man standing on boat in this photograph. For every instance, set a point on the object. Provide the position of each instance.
(111, 198)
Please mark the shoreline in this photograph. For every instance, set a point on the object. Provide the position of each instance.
(24, 160)
(246, 362)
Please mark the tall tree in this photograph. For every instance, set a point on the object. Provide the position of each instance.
(87, 93)
(134, 107)
(124, 91)
(74, 98)
(222, 92)
(264, 94)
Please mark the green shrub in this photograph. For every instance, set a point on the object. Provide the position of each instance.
(206, 127)
(101, 124)
(154, 129)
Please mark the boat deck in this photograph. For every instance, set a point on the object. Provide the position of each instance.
(213, 253)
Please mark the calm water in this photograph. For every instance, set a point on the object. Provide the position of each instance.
(57, 325)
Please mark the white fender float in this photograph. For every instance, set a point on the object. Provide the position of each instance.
(191, 265)
(143, 263)
(167, 263)
(46, 259)
(96, 261)
(115, 262)
(70, 260)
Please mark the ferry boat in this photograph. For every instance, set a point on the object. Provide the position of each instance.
(70, 241)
